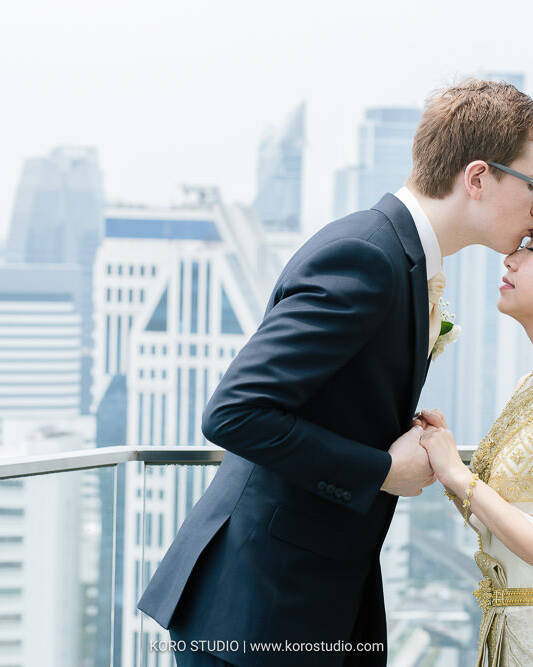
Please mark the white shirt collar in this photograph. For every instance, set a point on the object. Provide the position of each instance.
(428, 238)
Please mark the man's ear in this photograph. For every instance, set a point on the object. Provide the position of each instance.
(474, 175)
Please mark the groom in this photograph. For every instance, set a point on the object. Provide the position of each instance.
(284, 545)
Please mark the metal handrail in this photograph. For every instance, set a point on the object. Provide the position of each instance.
(42, 464)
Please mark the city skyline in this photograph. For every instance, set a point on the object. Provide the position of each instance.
(184, 93)
(177, 291)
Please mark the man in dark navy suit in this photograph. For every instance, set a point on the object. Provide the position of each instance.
(316, 410)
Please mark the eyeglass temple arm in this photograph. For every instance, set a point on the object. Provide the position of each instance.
(513, 172)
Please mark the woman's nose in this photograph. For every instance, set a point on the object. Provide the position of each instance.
(510, 261)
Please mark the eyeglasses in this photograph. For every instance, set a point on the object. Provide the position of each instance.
(525, 245)
(513, 172)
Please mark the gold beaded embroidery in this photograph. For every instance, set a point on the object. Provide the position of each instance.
(514, 416)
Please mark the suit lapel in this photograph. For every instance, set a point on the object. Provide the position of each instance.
(405, 228)
(419, 291)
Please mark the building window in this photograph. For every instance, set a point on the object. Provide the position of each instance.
(119, 269)
(141, 270)
(178, 408)
(152, 399)
(130, 295)
(119, 342)
(108, 269)
(161, 527)
(192, 350)
(207, 295)
(206, 350)
(192, 405)
(194, 298)
(131, 269)
(148, 531)
(153, 270)
(137, 582)
(140, 433)
(141, 295)
(108, 295)
(180, 304)
(163, 419)
(107, 341)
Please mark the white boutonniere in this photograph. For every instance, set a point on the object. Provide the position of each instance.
(449, 331)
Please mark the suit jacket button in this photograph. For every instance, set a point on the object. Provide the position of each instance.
(330, 488)
(346, 496)
(322, 486)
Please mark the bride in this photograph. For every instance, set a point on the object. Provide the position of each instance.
(495, 494)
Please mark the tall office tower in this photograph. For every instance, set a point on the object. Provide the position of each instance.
(177, 292)
(279, 175)
(385, 141)
(58, 218)
(41, 340)
(48, 546)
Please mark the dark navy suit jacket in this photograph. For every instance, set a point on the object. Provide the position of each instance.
(285, 542)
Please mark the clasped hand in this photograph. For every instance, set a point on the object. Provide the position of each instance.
(425, 453)
(440, 446)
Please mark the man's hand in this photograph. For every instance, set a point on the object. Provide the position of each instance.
(410, 471)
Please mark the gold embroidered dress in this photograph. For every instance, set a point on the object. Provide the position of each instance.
(504, 460)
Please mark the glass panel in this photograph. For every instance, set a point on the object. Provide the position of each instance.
(173, 493)
(57, 568)
(429, 574)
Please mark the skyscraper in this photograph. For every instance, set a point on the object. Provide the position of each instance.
(177, 293)
(279, 174)
(40, 348)
(385, 141)
(58, 218)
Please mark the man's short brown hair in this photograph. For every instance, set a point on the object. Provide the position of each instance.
(475, 120)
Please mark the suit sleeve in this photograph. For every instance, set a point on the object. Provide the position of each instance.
(328, 307)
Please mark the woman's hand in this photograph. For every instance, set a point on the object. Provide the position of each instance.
(444, 458)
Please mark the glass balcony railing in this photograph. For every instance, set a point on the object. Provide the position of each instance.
(82, 532)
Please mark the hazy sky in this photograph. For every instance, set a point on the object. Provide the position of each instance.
(174, 91)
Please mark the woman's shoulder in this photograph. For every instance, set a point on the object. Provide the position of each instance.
(523, 380)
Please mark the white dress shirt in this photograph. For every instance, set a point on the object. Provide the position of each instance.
(428, 238)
